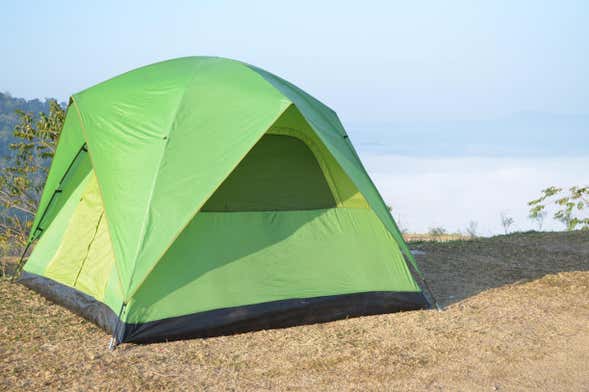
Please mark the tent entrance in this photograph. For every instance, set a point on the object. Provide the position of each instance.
(280, 173)
(275, 230)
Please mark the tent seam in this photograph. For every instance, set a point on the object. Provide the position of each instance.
(85, 136)
(155, 181)
(88, 248)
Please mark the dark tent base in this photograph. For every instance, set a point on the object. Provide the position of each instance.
(247, 318)
(72, 299)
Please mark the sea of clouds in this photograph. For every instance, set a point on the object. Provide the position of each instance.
(448, 173)
(452, 191)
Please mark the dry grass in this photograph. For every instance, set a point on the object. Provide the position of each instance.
(411, 237)
(516, 318)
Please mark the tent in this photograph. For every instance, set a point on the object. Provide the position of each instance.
(203, 196)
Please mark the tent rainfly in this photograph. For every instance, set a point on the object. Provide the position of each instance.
(203, 196)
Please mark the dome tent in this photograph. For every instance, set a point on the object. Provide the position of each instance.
(203, 196)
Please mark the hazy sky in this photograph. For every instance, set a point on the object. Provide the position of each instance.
(369, 60)
(472, 104)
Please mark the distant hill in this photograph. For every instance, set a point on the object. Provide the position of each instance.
(523, 134)
(9, 118)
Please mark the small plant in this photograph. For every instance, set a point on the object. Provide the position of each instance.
(437, 231)
(570, 207)
(538, 218)
(506, 222)
(398, 221)
(400, 224)
(23, 174)
(471, 229)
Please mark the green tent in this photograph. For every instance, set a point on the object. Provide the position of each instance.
(204, 196)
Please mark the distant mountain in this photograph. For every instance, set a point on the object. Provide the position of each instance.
(9, 118)
(524, 134)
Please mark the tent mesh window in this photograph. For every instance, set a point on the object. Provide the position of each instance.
(279, 173)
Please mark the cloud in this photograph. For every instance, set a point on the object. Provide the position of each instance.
(450, 192)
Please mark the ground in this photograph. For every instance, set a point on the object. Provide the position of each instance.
(516, 317)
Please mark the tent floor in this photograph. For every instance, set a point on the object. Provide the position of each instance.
(218, 322)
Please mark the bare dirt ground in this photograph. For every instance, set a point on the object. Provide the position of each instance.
(516, 317)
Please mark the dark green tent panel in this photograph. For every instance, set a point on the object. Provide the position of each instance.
(203, 196)
(279, 173)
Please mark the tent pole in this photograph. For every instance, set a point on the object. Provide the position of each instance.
(84, 148)
(19, 266)
(431, 294)
(426, 285)
(112, 345)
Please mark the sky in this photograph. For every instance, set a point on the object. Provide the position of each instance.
(401, 75)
